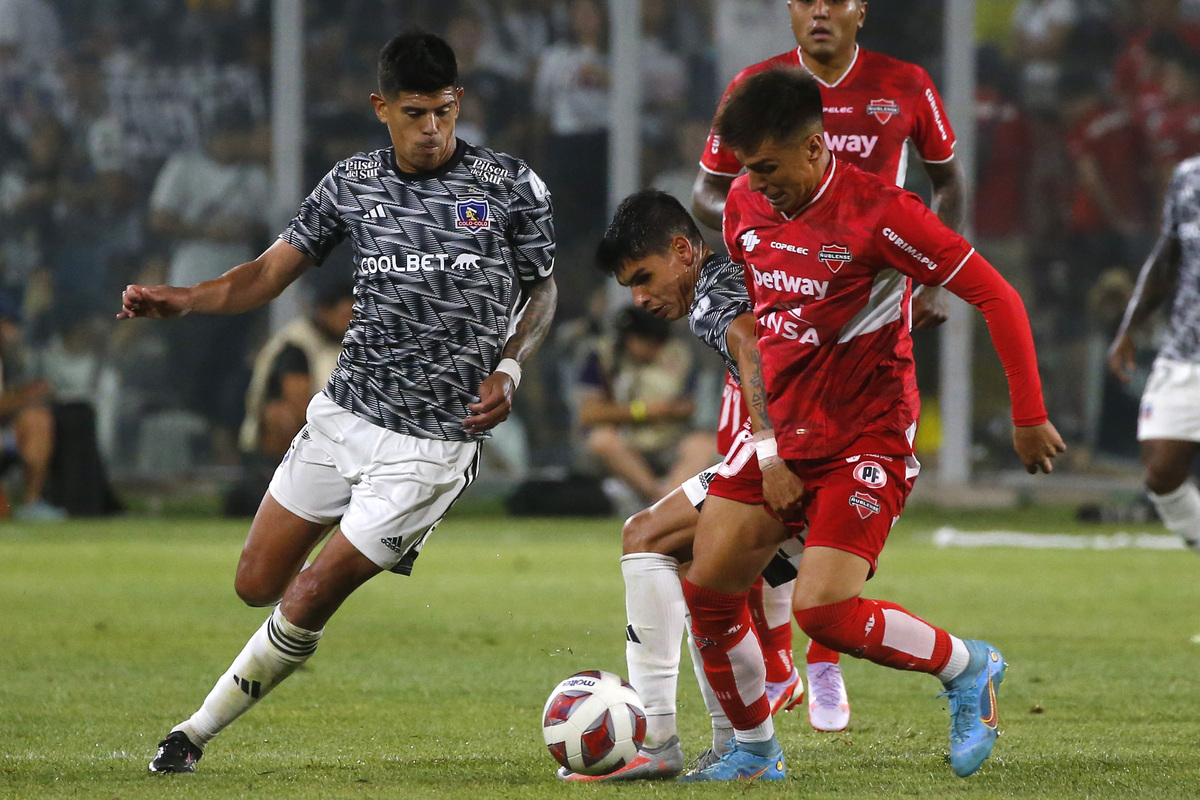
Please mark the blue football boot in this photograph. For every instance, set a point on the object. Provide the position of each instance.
(973, 715)
(741, 765)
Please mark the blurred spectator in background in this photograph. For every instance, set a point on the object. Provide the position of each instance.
(86, 395)
(1111, 202)
(29, 30)
(1039, 30)
(635, 408)
(214, 204)
(30, 188)
(1174, 132)
(503, 105)
(292, 366)
(1004, 142)
(26, 424)
(570, 96)
(1136, 79)
(663, 75)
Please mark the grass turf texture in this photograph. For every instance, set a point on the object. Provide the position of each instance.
(432, 686)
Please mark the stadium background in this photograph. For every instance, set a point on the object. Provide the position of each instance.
(96, 96)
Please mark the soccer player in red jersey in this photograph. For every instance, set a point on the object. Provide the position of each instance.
(827, 251)
(873, 104)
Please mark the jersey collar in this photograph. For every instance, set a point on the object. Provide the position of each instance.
(849, 68)
(460, 149)
(825, 183)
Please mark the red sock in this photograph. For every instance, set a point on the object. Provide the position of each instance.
(733, 661)
(776, 642)
(818, 653)
(878, 631)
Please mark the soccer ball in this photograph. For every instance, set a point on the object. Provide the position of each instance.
(593, 723)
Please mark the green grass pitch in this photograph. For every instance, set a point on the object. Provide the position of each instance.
(432, 686)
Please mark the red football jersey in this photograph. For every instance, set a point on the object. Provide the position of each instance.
(1109, 135)
(877, 104)
(830, 292)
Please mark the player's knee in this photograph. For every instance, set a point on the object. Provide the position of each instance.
(256, 589)
(641, 535)
(1164, 478)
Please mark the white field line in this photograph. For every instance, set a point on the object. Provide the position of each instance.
(952, 537)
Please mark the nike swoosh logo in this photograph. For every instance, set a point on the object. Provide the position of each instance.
(992, 718)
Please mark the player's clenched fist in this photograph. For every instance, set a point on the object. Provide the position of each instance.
(1037, 445)
(155, 302)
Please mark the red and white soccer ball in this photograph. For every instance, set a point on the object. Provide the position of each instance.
(594, 723)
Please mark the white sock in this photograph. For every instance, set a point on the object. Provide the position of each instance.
(273, 652)
(1180, 511)
(722, 729)
(656, 612)
(759, 733)
(777, 603)
(960, 659)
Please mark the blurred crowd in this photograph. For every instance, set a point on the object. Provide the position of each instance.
(134, 147)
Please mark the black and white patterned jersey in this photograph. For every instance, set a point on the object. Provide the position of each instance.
(720, 298)
(438, 262)
(1181, 219)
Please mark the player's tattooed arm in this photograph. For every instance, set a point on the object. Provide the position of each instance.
(529, 330)
(1154, 285)
(782, 489)
(533, 320)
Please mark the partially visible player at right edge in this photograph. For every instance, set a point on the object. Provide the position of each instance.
(873, 104)
(1169, 420)
(836, 368)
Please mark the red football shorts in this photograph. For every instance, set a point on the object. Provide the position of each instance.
(734, 415)
(856, 498)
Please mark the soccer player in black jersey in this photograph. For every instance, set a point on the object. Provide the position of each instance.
(454, 289)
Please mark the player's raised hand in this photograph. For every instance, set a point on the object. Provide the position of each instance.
(154, 302)
(784, 491)
(494, 403)
(1037, 445)
(1122, 357)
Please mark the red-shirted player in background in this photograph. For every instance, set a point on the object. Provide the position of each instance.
(827, 250)
(873, 105)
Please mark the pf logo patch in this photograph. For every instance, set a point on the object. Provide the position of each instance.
(883, 110)
(749, 240)
(870, 474)
(472, 213)
(864, 504)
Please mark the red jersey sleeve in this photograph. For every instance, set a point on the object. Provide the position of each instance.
(719, 159)
(932, 134)
(982, 286)
(912, 240)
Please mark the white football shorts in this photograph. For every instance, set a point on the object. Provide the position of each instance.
(388, 489)
(1170, 407)
(695, 488)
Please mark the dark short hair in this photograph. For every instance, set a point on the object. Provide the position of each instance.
(773, 105)
(636, 321)
(644, 225)
(416, 61)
